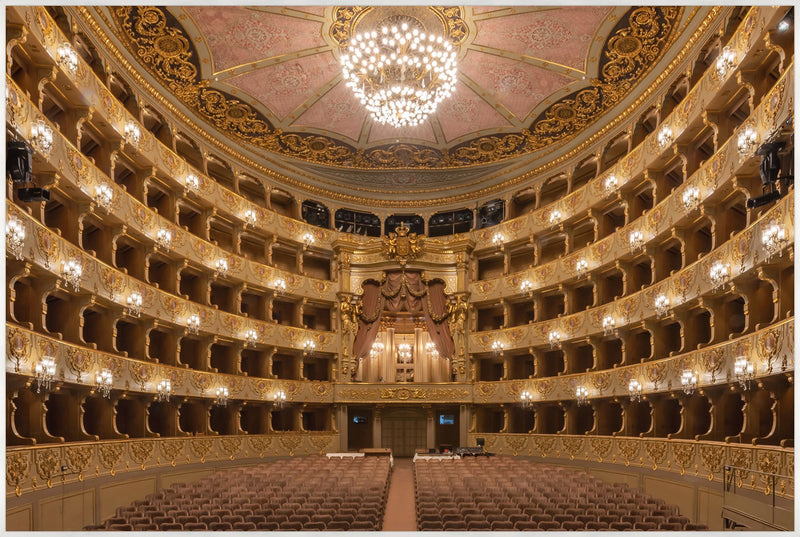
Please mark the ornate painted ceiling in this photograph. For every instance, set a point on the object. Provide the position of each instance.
(530, 79)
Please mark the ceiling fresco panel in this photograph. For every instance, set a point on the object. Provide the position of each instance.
(467, 112)
(380, 133)
(338, 110)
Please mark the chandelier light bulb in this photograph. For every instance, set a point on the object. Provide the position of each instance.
(15, 236)
(497, 347)
(164, 390)
(401, 78)
(691, 198)
(664, 137)
(221, 267)
(45, 373)
(377, 350)
(498, 239)
(164, 238)
(404, 352)
(611, 183)
(191, 183)
(103, 196)
(719, 273)
(581, 267)
(725, 61)
(42, 137)
(68, 58)
(555, 339)
(635, 390)
(609, 325)
(747, 141)
(103, 381)
(221, 398)
(688, 381)
(636, 239)
(71, 271)
(279, 398)
(555, 217)
(784, 25)
(773, 237)
(250, 218)
(251, 337)
(193, 324)
(308, 240)
(526, 398)
(135, 304)
(133, 135)
(308, 346)
(526, 287)
(744, 371)
(279, 285)
(582, 395)
(431, 350)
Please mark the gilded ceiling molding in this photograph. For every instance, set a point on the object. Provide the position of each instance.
(639, 40)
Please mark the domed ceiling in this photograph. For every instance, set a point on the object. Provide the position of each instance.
(530, 78)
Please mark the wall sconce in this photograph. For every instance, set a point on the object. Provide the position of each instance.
(250, 218)
(497, 348)
(251, 338)
(103, 196)
(279, 398)
(555, 339)
(221, 398)
(581, 267)
(45, 373)
(718, 274)
(744, 371)
(498, 239)
(135, 304)
(67, 57)
(133, 135)
(691, 198)
(308, 347)
(193, 324)
(308, 240)
(747, 142)
(15, 236)
(688, 381)
(71, 272)
(609, 326)
(164, 390)
(221, 268)
(726, 61)
(555, 217)
(636, 240)
(526, 398)
(526, 287)
(431, 350)
(664, 137)
(103, 381)
(784, 25)
(164, 239)
(279, 285)
(773, 238)
(610, 184)
(582, 395)
(191, 183)
(377, 350)
(42, 137)
(662, 305)
(635, 391)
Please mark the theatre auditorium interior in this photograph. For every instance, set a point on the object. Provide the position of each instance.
(399, 268)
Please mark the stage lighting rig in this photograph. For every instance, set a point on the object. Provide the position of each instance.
(774, 182)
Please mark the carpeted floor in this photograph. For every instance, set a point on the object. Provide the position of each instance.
(400, 515)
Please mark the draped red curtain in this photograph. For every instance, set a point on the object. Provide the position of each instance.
(403, 291)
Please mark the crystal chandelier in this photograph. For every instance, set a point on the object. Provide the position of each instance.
(773, 238)
(635, 390)
(431, 350)
(555, 217)
(71, 272)
(164, 238)
(221, 268)
(221, 398)
(132, 133)
(67, 57)
(191, 183)
(744, 371)
(497, 347)
(609, 326)
(279, 398)
(688, 381)
(610, 184)
(193, 324)
(15, 236)
(747, 142)
(135, 304)
(103, 196)
(636, 240)
(581, 267)
(526, 287)
(400, 73)
(45, 373)
(250, 218)
(251, 337)
(691, 198)
(377, 350)
(725, 61)
(164, 390)
(662, 305)
(103, 381)
(719, 273)
(308, 346)
(42, 137)
(498, 239)
(664, 137)
(555, 339)
(582, 395)
(526, 398)
(308, 240)
(279, 285)
(404, 353)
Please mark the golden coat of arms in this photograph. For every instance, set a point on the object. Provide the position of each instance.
(402, 245)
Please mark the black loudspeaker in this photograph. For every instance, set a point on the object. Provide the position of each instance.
(33, 194)
(480, 442)
(19, 162)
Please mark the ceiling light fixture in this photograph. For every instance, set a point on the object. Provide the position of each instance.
(400, 73)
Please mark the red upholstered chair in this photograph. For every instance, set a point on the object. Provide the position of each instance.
(620, 526)
(572, 525)
(670, 526)
(597, 525)
(171, 527)
(549, 525)
(696, 527)
(220, 526)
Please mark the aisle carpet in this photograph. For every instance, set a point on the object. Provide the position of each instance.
(400, 515)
